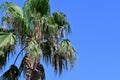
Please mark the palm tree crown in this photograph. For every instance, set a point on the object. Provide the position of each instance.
(40, 33)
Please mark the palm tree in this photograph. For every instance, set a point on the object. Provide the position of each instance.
(40, 33)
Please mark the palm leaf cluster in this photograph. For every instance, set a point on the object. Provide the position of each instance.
(43, 35)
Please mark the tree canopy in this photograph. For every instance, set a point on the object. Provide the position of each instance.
(40, 33)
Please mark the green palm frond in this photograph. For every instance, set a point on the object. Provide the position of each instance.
(34, 49)
(14, 16)
(39, 6)
(65, 54)
(12, 8)
(67, 50)
(6, 39)
(59, 18)
(52, 26)
(11, 74)
(7, 42)
(61, 21)
(46, 52)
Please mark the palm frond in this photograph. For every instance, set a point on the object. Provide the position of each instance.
(67, 50)
(11, 74)
(7, 42)
(38, 73)
(59, 63)
(46, 52)
(14, 16)
(61, 21)
(39, 6)
(65, 54)
(12, 8)
(34, 49)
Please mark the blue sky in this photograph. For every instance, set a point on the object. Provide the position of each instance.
(95, 35)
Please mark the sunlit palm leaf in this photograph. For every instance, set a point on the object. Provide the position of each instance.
(65, 53)
(13, 9)
(34, 49)
(7, 42)
(67, 50)
(14, 16)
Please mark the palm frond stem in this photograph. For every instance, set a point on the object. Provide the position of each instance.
(19, 54)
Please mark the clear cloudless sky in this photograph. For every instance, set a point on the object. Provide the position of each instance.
(95, 35)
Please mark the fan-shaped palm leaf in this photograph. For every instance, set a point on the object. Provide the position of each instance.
(67, 50)
(65, 53)
(15, 18)
(7, 42)
(60, 19)
(39, 6)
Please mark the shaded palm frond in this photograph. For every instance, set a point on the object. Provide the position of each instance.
(38, 73)
(61, 21)
(52, 26)
(59, 63)
(27, 65)
(5, 30)
(7, 42)
(11, 74)
(59, 18)
(46, 52)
